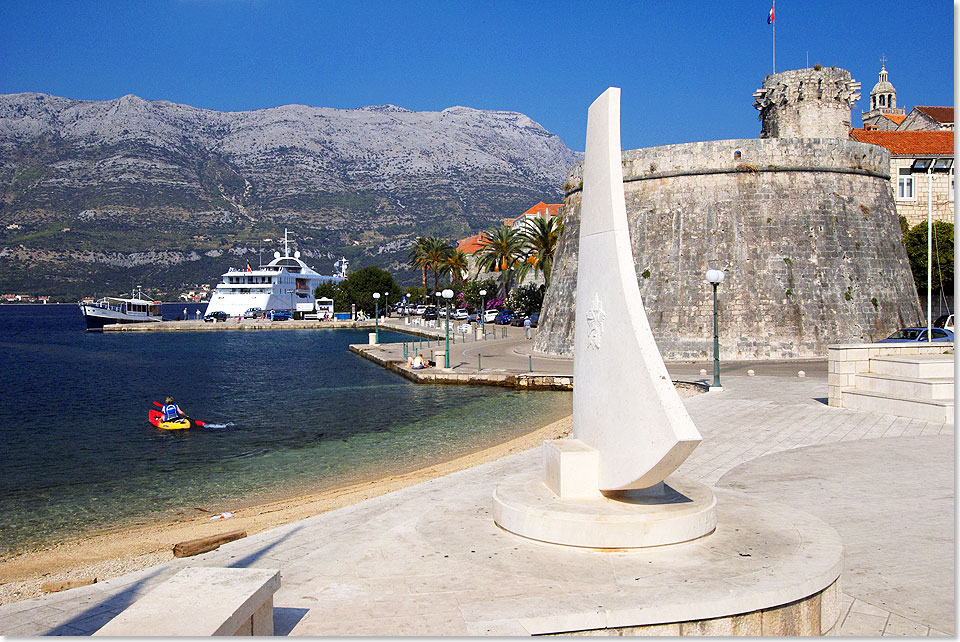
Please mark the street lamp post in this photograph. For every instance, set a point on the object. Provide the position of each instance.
(386, 304)
(715, 277)
(483, 311)
(376, 315)
(447, 294)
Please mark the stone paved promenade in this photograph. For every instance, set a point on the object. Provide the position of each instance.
(885, 484)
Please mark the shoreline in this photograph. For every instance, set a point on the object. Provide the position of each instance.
(127, 549)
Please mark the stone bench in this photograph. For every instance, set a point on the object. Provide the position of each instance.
(202, 602)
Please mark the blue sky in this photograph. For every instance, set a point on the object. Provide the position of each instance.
(687, 69)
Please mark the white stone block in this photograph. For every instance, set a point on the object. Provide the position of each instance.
(571, 468)
(372, 338)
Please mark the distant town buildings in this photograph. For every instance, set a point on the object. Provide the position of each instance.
(23, 298)
(921, 152)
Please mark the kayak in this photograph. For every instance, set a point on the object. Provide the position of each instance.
(155, 417)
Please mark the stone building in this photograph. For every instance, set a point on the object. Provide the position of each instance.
(802, 221)
(919, 143)
(927, 118)
(921, 163)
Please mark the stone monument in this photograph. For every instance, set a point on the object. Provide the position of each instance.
(608, 486)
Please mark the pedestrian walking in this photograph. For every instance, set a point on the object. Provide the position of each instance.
(527, 328)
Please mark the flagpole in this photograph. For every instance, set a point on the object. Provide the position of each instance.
(774, 37)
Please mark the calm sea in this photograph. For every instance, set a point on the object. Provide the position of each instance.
(303, 414)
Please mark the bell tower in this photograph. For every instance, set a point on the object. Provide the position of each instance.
(883, 103)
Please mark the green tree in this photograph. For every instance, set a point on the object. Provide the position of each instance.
(915, 242)
(526, 299)
(540, 239)
(437, 252)
(417, 258)
(414, 294)
(359, 286)
(456, 265)
(501, 251)
(332, 291)
(471, 291)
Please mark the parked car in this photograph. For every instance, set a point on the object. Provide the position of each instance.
(461, 314)
(430, 313)
(534, 319)
(253, 313)
(917, 335)
(517, 320)
(280, 315)
(503, 318)
(213, 317)
(944, 321)
(420, 309)
(490, 315)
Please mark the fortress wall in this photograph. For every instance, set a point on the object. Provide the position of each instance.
(805, 230)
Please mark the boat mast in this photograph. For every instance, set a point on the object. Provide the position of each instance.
(286, 251)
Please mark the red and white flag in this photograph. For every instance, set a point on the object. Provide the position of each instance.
(770, 17)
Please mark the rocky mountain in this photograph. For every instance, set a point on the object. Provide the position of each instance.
(95, 196)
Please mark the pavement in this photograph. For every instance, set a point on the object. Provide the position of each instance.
(395, 565)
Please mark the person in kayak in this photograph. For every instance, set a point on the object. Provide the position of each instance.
(171, 410)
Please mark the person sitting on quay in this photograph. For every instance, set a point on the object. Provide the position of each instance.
(418, 362)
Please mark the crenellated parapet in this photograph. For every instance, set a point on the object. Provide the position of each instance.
(807, 103)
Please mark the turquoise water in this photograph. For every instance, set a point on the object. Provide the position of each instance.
(301, 414)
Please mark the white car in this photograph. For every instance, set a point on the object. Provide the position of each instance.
(461, 314)
(420, 309)
(490, 315)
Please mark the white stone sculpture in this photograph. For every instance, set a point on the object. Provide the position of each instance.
(607, 486)
(624, 404)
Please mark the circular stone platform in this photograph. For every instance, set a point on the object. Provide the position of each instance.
(684, 510)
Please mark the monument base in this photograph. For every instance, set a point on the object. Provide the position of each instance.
(678, 511)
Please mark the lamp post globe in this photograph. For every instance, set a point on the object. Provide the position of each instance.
(483, 309)
(376, 315)
(447, 295)
(715, 277)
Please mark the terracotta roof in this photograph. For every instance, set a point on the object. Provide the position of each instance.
(908, 143)
(542, 208)
(897, 118)
(471, 244)
(939, 114)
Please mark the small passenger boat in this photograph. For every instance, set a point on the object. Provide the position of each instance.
(111, 309)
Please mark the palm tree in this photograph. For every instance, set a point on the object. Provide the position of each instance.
(457, 264)
(540, 239)
(502, 249)
(417, 258)
(436, 253)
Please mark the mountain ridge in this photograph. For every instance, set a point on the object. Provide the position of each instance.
(131, 175)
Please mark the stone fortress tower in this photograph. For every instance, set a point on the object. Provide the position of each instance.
(806, 103)
(802, 221)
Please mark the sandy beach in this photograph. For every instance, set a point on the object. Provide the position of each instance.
(118, 552)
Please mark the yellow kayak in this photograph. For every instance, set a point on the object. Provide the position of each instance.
(176, 424)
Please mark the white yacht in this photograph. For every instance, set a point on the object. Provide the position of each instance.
(114, 309)
(279, 285)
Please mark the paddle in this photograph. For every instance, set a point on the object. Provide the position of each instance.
(199, 423)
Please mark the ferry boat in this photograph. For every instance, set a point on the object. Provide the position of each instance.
(279, 285)
(120, 310)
